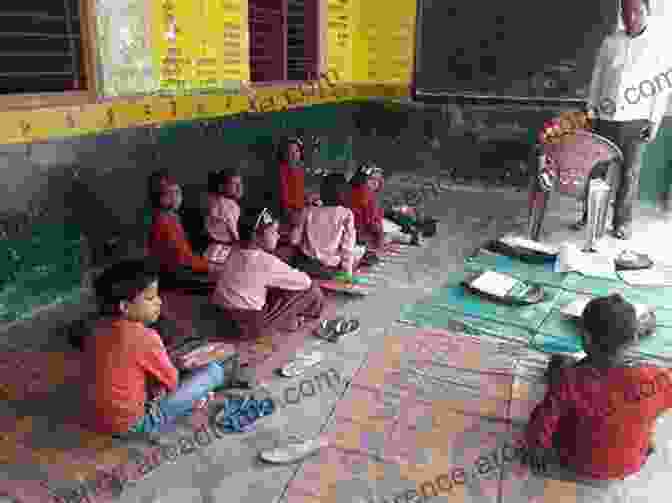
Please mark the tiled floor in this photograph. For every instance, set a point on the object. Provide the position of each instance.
(382, 464)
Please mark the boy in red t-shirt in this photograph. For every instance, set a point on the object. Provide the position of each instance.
(599, 414)
(168, 243)
(124, 359)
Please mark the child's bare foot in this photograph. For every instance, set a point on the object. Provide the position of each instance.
(204, 402)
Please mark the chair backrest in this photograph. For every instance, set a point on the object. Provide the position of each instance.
(573, 159)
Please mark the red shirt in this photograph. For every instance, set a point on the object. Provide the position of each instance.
(169, 245)
(603, 422)
(364, 206)
(119, 356)
(292, 187)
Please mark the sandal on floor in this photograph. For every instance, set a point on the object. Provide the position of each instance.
(302, 363)
(336, 329)
(294, 451)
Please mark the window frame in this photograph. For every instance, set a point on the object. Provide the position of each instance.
(320, 42)
(87, 17)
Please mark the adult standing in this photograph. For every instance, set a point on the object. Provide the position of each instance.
(628, 95)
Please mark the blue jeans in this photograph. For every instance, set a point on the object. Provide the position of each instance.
(180, 402)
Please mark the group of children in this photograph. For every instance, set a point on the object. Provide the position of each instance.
(598, 414)
(255, 290)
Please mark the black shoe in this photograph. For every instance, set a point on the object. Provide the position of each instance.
(622, 232)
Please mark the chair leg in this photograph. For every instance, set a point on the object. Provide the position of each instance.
(537, 211)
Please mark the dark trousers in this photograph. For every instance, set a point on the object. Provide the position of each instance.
(627, 135)
(183, 278)
(282, 308)
(313, 267)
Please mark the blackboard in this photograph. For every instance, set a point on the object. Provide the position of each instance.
(517, 49)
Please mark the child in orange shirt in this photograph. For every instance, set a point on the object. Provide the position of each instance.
(124, 357)
(168, 244)
(225, 189)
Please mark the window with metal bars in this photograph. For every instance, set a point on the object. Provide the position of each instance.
(41, 47)
(283, 40)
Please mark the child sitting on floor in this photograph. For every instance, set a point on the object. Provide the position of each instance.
(599, 414)
(168, 244)
(362, 201)
(326, 235)
(370, 219)
(124, 357)
(258, 291)
(225, 190)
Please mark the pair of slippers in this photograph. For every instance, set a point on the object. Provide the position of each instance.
(330, 331)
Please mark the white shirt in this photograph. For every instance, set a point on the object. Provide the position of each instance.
(634, 75)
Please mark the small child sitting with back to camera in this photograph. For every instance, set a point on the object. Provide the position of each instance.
(326, 235)
(596, 418)
(124, 358)
(225, 190)
(168, 243)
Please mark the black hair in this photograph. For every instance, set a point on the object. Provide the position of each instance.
(611, 322)
(123, 281)
(155, 186)
(361, 177)
(218, 179)
(332, 186)
(283, 150)
(248, 219)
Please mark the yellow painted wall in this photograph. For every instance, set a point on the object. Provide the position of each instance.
(384, 41)
(199, 44)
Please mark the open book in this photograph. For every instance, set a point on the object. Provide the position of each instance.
(572, 259)
(495, 284)
(575, 309)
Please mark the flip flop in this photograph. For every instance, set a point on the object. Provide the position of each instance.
(293, 452)
(302, 363)
(335, 330)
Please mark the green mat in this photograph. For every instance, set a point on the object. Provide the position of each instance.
(452, 299)
(658, 297)
(559, 334)
(444, 319)
(542, 274)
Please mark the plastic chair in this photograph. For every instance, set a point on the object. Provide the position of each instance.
(567, 166)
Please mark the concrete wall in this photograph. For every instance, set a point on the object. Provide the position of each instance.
(97, 184)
